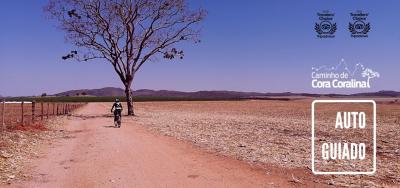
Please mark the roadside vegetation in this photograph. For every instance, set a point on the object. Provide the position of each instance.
(112, 99)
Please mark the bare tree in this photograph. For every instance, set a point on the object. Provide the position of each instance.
(369, 73)
(126, 33)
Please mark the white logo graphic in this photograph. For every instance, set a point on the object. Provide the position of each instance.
(341, 76)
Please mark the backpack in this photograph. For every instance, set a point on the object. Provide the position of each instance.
(118, 106)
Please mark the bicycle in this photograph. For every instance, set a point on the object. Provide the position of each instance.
(117, 120)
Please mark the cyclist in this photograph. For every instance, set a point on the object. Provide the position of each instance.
(118, 109)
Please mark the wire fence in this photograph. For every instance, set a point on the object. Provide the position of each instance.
(29, 113)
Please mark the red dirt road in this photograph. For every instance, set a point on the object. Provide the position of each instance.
(97, 155)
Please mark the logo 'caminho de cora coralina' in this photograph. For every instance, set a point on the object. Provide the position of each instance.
(341, 76)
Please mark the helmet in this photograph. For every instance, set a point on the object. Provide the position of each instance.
(116, 100)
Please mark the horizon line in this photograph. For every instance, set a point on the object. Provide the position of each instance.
(292, 92)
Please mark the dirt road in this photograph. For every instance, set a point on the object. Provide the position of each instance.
(94, 154)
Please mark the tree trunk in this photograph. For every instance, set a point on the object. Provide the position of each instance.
(129, 101)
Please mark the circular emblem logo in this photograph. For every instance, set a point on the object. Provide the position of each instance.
(325, 26)
(359, 26)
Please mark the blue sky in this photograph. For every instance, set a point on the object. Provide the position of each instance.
(266, 46)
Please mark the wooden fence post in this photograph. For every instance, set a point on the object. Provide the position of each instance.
(2, 115)
(41, 115)
(53, 108)
(57, 109)
(22, 113)
(33, 111)
(48, 108)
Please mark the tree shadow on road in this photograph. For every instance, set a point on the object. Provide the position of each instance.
(92, 116)
(109, 126)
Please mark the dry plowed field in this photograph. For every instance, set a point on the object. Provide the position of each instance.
(274, 133)
(251, 143)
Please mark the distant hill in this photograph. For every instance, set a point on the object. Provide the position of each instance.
(107, 91)
(112, 91)
(196, 94)
(383, 93)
